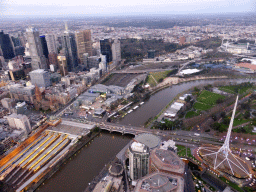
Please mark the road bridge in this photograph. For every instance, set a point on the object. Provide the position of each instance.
(181, 136)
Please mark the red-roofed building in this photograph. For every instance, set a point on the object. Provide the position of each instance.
(249, 66)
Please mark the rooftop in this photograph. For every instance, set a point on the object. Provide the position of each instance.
(138, 147)
(160, 182)
(233, 165)
(150, 140)
(38, 71)
(189, 71)
(246, 65)
(167, 160)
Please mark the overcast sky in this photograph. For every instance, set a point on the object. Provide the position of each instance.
(119, 7)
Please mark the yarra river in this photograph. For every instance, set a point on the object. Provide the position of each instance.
(80, 170)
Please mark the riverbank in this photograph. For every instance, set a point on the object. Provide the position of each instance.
(50, 172)
(176, 81)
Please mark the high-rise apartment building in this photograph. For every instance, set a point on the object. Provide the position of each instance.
(84, 44)
(70, 49)
(35, 49)
(138, 160)
(6, 46)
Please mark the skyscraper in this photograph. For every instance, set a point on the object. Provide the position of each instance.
(51, 43)
(70, 49)
(138, 160)
(116, 51)
(35, 49)
(22, 38)
(6, 46)
(105, 49)
(112, 50)
(52, 49)
(84, 44)
(44, 46)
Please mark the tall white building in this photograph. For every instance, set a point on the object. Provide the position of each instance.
(116, 51)
(35, 49)
(138, 160)
(19, 121)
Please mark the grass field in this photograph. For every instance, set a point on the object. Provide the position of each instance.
(157, 76)
(209, 98)
(181, 151)
(232, 89)
(192, 114)
(201, 106)
(237, 122)
(205, 101)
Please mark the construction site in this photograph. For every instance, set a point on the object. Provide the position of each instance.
(36, 156)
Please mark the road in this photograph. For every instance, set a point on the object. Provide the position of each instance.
(189, 184)
(178, 136)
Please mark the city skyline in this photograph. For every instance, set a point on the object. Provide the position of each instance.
(101, 8)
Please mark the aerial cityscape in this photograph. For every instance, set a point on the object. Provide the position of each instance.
(128, 97)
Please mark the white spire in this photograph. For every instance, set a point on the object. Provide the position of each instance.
(224, 154)
(225, 148)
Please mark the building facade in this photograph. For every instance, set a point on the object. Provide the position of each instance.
(138, 160)
(62, 64)
(116, 50)
(35, 49)
(52, 49)
(6, 46)
(84, 44)
(21, 93)
(19, 121)
(40, 77)
(44, 46)
(105, 49)
(51, 43)
(70, 50)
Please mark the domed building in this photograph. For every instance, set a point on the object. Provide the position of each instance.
(148, 139)
(166, 161)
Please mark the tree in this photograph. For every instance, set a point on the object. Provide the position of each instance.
(226, 121)
(196, 89)
(188, 98)
(215, 125)
(220, 100)
(214, 117)
(247, 115)
(245, 106)
(208, 87)
(223, 114)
